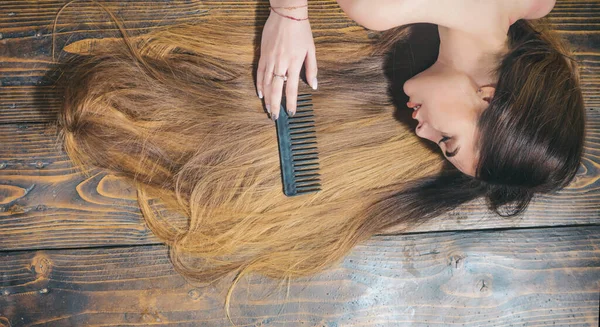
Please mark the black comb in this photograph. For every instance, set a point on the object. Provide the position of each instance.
(298, 154)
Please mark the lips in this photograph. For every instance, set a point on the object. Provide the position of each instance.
(415, 107)
(414, 114)
(411, 104)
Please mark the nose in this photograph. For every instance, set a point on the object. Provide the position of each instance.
(407, 87)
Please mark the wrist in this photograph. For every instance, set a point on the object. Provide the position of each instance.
(290, 9)
(288, 3)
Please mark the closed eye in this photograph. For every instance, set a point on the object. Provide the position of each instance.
(449, 154)
(453, 153)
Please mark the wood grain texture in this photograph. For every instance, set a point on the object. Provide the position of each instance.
(26, 92)
(26, 30)
(541, 277)
(45, 202)
(578, 16)
(28, 103)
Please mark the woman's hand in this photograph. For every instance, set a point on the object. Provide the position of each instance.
(287, 44)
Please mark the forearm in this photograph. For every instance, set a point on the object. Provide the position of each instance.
(378, 15)
(288, 3)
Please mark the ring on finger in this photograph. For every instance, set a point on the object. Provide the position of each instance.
(282, 76)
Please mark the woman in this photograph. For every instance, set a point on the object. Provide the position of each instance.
(502, 100)
(175, 113)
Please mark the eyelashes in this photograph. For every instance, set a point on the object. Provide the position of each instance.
(452, 154)
(449, 154)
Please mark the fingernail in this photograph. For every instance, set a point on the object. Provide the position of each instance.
(315, 84)
(268, 106)
(260, 96)
(291, 113)
(274, 117)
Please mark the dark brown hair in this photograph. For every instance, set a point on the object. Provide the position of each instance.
(532, 132)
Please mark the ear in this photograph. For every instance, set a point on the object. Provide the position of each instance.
(486, 93)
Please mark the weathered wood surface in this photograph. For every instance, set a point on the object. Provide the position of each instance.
(46, 203)
(539, 277)
(26, 30)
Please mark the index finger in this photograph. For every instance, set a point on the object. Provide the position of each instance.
(260, 75)
(276, 92)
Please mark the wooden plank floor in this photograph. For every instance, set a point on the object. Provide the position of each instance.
(537, 277)
(74, 251)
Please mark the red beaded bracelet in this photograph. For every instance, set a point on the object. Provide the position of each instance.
(288, 17)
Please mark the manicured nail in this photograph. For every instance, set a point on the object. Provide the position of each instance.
(315, 84)
(268, 106)
(291, 113)
(260, 96)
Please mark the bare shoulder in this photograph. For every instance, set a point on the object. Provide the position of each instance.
(472, 16)
(538, 9)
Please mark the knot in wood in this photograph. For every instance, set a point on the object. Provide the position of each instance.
(16, 209)
(484, 286)
(42, 265)
(195, 294)
(457, 261)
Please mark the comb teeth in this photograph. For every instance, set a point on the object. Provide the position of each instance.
(298, 153)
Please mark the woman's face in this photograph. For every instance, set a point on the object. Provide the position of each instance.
(447, 104)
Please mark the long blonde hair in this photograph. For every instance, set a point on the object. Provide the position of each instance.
(176, 113)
